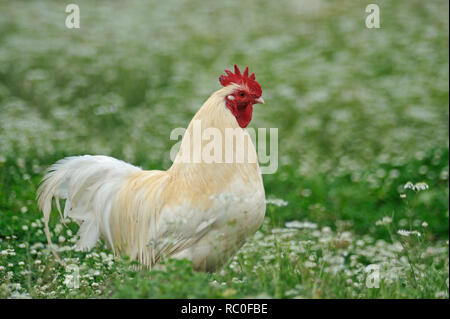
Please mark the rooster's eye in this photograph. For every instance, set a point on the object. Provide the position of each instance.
(242, 94)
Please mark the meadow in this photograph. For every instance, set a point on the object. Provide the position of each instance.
(362, 114)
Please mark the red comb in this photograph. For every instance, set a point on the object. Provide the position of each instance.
(239, 78)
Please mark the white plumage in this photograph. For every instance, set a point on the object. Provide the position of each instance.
(90, 185)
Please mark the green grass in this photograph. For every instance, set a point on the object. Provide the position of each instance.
(360, 112)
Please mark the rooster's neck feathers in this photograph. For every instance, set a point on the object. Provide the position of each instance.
(214, 115)
(201, 175)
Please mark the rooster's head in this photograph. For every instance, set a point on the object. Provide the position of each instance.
(248, 92)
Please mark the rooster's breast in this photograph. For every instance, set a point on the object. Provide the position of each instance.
(235, 213)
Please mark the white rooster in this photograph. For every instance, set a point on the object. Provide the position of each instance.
(197, 209)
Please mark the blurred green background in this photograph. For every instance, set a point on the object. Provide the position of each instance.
(360, 111)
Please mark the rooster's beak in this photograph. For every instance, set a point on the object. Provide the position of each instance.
(260, 100)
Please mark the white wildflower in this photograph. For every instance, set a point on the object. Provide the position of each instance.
(416, 187)
(409, 185)
(384, 221)
(403, 232)
(58, 228)
(277, 202)
(407, 233)
(421, 186)
(298, 224)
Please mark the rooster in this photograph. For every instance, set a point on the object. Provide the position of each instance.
(199, 210)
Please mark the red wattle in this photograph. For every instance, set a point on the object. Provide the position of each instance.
(244, 116)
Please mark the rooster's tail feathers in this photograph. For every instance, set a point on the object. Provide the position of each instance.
(89, 184)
